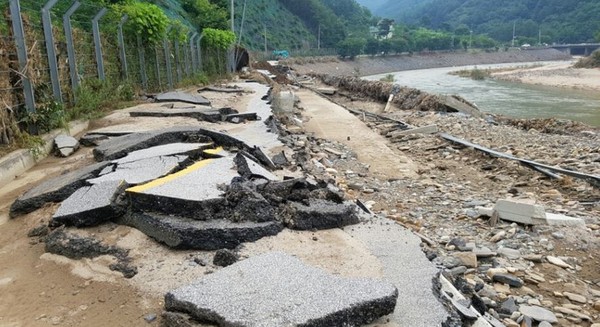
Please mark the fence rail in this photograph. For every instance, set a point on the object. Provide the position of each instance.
(49, 49)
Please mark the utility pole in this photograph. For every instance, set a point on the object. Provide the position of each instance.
(540, 36)
(319, 38)
(470, 39)
(265, 28)
(513, 38)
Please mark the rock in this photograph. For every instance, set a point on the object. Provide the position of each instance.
(458, 270)
(150, 317)
(319, 214)
(538, 313)
(538, 258)
(558, 262)
(572, 313)
(597, 305)
(65, 145)
(275, 289)
(186, 233)
(225, 257)
(511, 280)
(525, 321)
(509, 306)
(91, 205)
(575, 297)
(558, 235)
(467, 259)
(545, 324)
(484, 252)
(498, 236)
(54, 190)
(509, 253)
(493, 271)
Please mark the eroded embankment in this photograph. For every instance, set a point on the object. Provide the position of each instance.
(365, 66)
(406, 98)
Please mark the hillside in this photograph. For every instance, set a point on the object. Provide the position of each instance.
(557, 20)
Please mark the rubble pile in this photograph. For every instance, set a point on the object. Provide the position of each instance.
(406, 98)
(520, 275)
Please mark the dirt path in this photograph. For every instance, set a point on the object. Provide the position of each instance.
(330, 121)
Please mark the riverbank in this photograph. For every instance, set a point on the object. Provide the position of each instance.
(365, 66)
(554, 74)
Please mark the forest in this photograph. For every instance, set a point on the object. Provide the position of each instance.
(548, 21)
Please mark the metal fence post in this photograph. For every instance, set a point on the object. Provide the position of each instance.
(168, 62)
(157, 67)
(70, 47)
(199, 54)
(142, 59)
(192, 52)
(186, 56)
(17, 25)
(50, 51)
(98, 43)
(122, 54)
(178, 60)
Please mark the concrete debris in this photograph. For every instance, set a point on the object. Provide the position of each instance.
(65, 145)
(92, 139)
(178, 96)
(319, 214)
(54, 190)
(91, 205)
(275, 289)
(185, 233)
(326, 90)
(241, 118)
(528, 213)
(225, 257)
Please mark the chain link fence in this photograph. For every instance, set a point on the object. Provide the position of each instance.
(50, 48)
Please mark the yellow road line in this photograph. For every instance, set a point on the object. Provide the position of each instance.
(181, 173)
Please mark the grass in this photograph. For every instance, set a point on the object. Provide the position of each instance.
(388, 78)
(593, 61)
(475, 73)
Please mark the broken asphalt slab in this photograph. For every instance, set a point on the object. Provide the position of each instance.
(405, 265)
(165, 150)
(54, 190)
(276, 289)
(203, 114)
(319, 214)
(178, 96)
(91, 205)
(192, 192)
(249, 168)
(190, 234)
(119, 147)
(141, 171)
(65, 145)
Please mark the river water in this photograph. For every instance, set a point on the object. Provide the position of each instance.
(506, 98)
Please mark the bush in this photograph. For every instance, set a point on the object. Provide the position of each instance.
(593, 61)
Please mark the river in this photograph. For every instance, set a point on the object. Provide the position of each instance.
(506, 98)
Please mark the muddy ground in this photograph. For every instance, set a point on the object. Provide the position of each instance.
(422, 181)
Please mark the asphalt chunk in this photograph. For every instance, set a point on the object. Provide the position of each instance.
(276, 289)
(178, 96)
(319, 214)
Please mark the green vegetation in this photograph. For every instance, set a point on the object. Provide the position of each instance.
(556, 20)
(475, 73)
(351, 47)
(146, 20)
(592, 61)
(388, 78)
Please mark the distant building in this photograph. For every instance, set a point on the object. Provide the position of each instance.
(384, 29)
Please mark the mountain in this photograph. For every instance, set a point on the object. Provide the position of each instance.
(373, 5)
(556, 20)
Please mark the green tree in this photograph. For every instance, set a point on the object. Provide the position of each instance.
(351, 47)
(372, 46)
(146, 20)
(206, 14)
